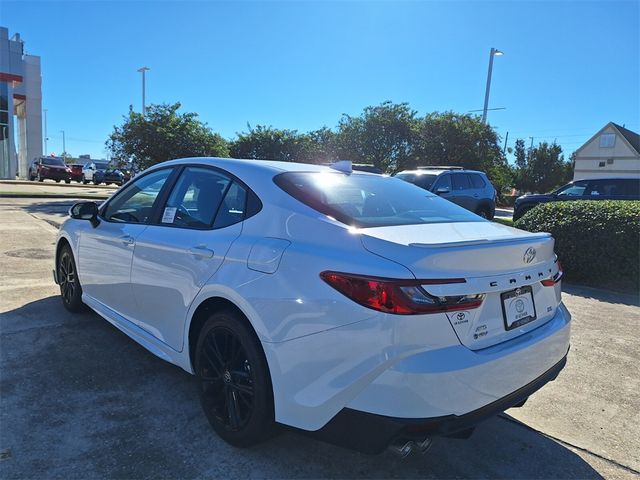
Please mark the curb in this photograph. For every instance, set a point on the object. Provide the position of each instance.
(53, 195)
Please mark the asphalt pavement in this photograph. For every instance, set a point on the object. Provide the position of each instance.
(79, 399)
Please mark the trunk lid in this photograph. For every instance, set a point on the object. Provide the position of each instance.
(491, 258)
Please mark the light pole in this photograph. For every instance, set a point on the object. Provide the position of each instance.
(494, 53)
(44, 110)
(64, 145)
(143, 70)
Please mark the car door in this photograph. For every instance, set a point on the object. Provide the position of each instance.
(106, 251)
(186, 245)
(462, 190)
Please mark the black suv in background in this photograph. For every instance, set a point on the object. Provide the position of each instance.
(468, 188)
(590, 189)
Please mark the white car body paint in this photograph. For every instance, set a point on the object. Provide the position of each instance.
(324, 351)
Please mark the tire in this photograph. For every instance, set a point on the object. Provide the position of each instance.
(484, 213)
(58, 181)
(39, 178)
(233, 380)
(70, 288)
(67, 181)
(84, 180)
(32, 177)
(96, 182)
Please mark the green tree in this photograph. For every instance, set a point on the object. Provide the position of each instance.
(449, 138)
(163, 134)
(542, 168)
(383, 135)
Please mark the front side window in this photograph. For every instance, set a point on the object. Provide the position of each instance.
(443, 182)
(369, 200)
(575, 189)
(134, 204)
(424, 180)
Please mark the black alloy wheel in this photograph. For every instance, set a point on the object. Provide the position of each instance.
(234, 382)
(70, 289)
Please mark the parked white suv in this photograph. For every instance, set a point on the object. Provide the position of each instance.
(358, 307)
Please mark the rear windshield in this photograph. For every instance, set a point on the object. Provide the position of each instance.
(363, 200)
(52, 161)
(101, 165)
(424, 180)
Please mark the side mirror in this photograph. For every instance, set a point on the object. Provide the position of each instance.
(442, 190)
(85, 211)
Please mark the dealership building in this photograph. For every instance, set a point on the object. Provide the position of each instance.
(20, 107)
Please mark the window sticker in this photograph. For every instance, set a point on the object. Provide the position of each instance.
(169, 214)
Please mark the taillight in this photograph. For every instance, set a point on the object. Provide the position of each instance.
(550, 282)
(400, 297)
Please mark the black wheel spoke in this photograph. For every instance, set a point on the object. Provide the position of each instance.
(227, 384)
(232, 407)
(247, 389)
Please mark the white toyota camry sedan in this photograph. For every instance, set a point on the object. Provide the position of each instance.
(356, 307)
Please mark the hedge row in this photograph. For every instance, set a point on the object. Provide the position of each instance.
(598, 242)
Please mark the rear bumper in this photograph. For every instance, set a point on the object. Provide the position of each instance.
(371, 433)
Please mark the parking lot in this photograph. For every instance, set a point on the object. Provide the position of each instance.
(78, 399)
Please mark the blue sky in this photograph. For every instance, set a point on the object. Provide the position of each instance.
(568, 68)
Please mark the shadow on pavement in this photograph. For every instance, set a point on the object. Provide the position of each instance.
(82, 400)
(602, 295)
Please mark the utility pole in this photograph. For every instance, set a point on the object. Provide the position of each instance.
(143, 70)
(45, 132)
(493, 53)
(504, 150)
(64, 145)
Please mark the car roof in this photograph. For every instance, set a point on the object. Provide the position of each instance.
(604, 178)
(264, 166)
(422, 171)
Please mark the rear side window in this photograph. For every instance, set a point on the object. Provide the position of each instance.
(233, 208)
(460, 181)
(195, 198)
(477, 181)
(363, 201)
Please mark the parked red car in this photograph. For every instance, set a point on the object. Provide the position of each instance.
(76, 172)
(52, 168)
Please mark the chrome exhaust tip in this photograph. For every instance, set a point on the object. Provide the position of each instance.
(402, 448)
(424, 445)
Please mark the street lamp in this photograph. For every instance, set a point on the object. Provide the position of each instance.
(494, 53)
(64, 145)
(142, 71)
(46, 138)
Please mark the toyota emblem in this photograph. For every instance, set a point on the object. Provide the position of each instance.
(529, 255)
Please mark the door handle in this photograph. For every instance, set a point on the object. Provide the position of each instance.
(475, 195)
(201, 251)
(127, 240)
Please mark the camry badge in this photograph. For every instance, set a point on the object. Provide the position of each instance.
(529, 255)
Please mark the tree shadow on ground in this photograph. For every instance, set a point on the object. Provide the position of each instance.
(82, 400)
(602, 295)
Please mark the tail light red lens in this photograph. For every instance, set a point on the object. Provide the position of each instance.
(400, 297)
(550, 282)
